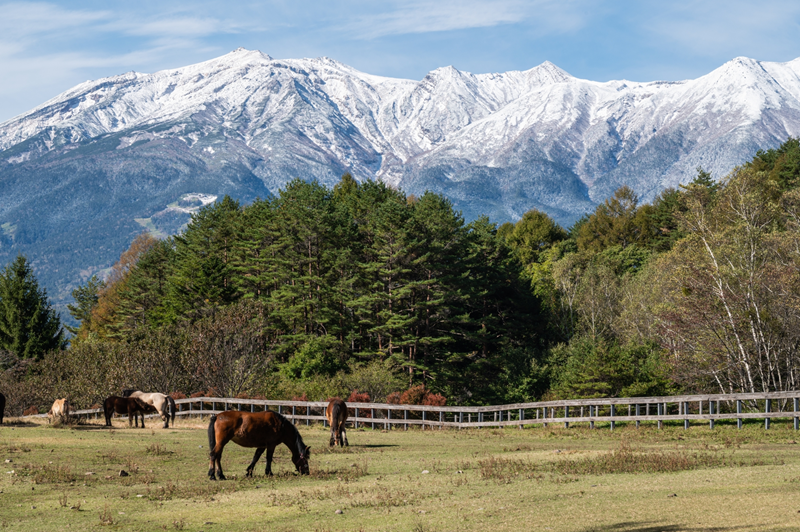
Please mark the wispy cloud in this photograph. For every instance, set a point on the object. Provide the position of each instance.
(730, 27)
(425, 16)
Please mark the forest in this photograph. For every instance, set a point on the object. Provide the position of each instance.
(362, 291)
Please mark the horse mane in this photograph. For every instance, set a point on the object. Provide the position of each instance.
(298, 439)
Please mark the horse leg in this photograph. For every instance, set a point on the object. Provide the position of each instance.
(270, 452)
(216, 463)
(252, 465)
(142, 415)
(216, 453)
(333, 436)
(165, 417)
(343, 435)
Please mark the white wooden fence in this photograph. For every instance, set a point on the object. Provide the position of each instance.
(608, 412)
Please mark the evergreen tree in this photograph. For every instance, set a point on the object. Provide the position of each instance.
(86, 297)
(28, 324)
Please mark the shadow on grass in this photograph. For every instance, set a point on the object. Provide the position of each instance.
(659, 527)
(15, 424)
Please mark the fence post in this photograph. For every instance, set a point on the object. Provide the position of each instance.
(566, 415)
(738, 411)
(294, 412)
(405, 416)
(441, 419)
(372, 415)
(355, 418)
(659, 410)
(521, 417)
(711, 413)
(388, 424)
(591, 422)
(423, 420)
(637, 415)
(795, 413)
(685, 413)
(766, 410)
(612, 416)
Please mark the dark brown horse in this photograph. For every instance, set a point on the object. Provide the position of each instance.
(337, 415)
(132, 406)
(262, 430)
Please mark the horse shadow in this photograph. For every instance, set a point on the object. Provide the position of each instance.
(659, 527)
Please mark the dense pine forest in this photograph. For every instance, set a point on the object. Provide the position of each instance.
(363, 291)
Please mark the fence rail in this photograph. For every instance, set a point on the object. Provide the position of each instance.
(681, 408)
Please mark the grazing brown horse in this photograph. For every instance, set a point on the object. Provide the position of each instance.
(126, 405)
(337, 415)
(262, 430)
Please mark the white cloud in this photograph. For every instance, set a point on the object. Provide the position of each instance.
(730, 27)
(424, 16)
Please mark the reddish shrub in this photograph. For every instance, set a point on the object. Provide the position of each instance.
(198, 394)
(30, 411)
(301, 410)
(95, 406)
(414, 395)
(178, 395)
(393, 398)
(357, 397)
(259, 397)
(243, 396)
(434, 399)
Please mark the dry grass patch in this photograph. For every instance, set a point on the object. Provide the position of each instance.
(625, 459)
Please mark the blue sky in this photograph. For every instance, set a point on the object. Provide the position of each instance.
(48, 47)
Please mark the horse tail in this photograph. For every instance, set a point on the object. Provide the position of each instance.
(336, 413)
(172, 408)
(212, 436)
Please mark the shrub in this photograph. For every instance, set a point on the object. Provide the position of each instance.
(301, 409)
(178, 395)
(416, 395)
(30, 411)
(434, 399)
(358, 397)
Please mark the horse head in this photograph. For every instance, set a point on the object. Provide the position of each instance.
(301, 461)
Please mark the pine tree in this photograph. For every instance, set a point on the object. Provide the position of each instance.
(86, 297)
(28, 324)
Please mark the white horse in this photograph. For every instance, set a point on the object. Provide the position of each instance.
(163, 403)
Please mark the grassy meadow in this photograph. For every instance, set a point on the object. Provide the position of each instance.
(576, 479)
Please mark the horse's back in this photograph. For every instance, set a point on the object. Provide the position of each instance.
(338, 408)
(250, 429)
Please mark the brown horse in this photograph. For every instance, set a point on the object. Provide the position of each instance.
(126, 405)
(262, 430)
(337, 415)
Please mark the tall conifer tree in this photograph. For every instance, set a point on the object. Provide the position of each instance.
(28, 324)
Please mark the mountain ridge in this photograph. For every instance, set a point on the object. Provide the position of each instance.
(106, 158)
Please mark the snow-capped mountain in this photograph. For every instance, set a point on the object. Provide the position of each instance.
(108, 157)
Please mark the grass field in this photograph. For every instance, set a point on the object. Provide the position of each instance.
(576, 479)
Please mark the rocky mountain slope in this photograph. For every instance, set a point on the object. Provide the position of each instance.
(84, 172)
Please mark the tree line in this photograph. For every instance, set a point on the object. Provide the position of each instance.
(324, 291)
